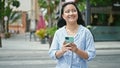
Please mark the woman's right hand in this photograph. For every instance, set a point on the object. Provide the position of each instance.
(65, 47)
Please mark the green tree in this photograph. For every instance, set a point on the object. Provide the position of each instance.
(82, 3)
(8, 10)
(5, 10)
(2, 3)
(50, 6)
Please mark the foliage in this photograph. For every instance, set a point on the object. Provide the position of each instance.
(101, 2)
(7, 35)
(81, 6)
(41, 33)
(50, 6)
(51, 31)
(82, 3)
(16, 3)
(6, 10)
(97, 2)
(14, 16)
(2, 3)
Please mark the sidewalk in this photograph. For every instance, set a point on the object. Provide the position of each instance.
(21, 41)
(108, 48)
(108, 45)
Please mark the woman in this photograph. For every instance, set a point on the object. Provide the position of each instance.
(82, 49)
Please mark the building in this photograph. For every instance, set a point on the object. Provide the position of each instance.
(29, 10)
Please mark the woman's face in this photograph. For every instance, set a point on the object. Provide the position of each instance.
(70, 14)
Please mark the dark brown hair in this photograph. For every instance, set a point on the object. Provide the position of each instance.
(62, 22)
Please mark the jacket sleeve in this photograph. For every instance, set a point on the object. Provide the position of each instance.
(54, 47)
(90, 47)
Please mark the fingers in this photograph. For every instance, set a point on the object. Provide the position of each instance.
(73, 47)
(64, 43)
(68, 46)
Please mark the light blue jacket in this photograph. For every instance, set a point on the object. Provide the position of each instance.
(83, 39)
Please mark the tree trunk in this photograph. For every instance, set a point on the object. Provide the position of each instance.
(50, 41)
(7, 25)
(1, 22)
(0, 42)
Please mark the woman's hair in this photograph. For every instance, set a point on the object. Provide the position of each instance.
(62, 22)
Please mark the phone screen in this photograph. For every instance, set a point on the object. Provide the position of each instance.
(69, 39)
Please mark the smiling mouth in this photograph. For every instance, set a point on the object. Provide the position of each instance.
(71, 17)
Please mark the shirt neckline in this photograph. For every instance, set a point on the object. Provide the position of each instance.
(79, 28)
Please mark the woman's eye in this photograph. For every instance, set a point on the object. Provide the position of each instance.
(68, 11)
(73, 10)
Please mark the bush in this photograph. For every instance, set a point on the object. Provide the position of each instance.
(41, 33)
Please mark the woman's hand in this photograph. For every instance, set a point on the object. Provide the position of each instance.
(65, 47)
(79, 52)
(69, 46)
(73, 47)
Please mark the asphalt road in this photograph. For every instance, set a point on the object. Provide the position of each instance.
(31, 54)
(25, 59)
(40, 59)
(105, 61)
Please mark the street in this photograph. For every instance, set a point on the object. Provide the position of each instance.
(105, 61)
(40, 59)
(32, 54)
(25, 59)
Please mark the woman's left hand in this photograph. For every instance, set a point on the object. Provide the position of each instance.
(73, 47)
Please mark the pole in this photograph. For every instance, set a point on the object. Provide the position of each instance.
(60, 6)
(88, 11)
(1, 33)
(0, 42)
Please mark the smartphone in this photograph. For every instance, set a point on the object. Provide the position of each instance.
(69, 39)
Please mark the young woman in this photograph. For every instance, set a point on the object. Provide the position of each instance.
(81, 49)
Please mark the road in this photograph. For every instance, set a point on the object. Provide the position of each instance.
(25, 59)
(105, 61)
(31, 54)
(40, 59)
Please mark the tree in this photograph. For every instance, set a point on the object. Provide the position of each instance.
(8, 10)
(2, 3)
(50, 6)
(5, 10)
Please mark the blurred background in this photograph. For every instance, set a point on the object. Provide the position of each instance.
(28, 26)
(19, 16)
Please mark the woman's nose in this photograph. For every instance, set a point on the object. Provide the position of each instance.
(71, 12)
